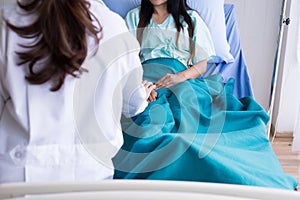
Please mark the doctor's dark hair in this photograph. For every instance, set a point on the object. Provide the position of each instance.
(176, 8)
(60, 42)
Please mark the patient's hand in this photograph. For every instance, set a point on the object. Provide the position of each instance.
(169, 80)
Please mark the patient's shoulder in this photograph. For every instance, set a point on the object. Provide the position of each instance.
(135, 12)
(194, 15)
(132, 18)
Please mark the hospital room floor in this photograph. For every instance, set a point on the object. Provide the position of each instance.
(289, 160)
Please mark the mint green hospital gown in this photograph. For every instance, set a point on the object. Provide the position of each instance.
(159, 40)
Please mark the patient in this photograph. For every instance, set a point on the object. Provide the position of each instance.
(67, 71)
(160, 32)
(194, 129)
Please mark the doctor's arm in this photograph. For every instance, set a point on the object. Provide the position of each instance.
(136, 91)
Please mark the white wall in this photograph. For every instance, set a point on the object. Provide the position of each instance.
(288, 98)
(258, 22)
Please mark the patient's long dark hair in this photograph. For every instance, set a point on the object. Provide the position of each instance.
(60, 39)
(175, 7)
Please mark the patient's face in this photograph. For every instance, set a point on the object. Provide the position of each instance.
(158, 2)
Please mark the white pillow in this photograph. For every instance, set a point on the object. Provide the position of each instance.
(212, 13)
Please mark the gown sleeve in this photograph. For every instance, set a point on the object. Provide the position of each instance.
(132, 20)
(204, 47)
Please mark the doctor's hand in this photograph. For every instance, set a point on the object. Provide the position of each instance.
(153, 96)
(150, 91)
(169, 80)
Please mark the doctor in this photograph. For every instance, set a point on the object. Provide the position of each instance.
(68, 69)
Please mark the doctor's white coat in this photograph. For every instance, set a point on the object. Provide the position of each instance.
(73, 133)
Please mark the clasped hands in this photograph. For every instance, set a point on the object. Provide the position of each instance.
(168, 80)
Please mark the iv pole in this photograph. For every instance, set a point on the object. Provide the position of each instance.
(276, 68)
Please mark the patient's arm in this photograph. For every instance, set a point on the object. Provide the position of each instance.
(194, 71)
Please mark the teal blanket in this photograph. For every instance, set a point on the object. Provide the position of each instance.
(198, 131)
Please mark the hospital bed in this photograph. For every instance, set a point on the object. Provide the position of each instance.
(215, 132)
(238, 68)
(140, 190)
